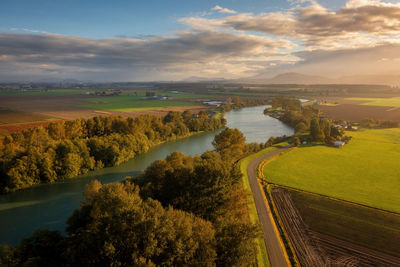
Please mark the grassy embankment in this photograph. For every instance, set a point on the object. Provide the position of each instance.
(366, 171)
(129, 102)
(262, 256)
(372, 228)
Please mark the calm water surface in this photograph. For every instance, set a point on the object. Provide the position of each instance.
(48, 206)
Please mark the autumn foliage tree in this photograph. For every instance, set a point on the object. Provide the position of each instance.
(66, 149)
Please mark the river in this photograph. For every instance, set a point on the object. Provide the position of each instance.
(49, 205)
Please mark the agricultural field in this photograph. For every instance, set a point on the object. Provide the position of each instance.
(365, 171)
(11, 116)
(359, 108)
(371, 228)
(75, 103)
(42, 92)
(16, 121)
(125, 104)
(383, 102)
(330, 232)
(129, 102)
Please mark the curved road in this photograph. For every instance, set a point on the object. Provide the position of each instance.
(275, 251)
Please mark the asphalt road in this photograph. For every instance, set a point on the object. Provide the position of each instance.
(271, 236)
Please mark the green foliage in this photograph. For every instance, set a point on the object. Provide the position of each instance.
(66, 149)
(208, 186)
(230, 143)
(115, 227)
(290, 111)
(320, 129)
(42, 248)
(237, 102)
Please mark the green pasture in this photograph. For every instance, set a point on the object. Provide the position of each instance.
(368, 227)
(32, 92)
(385, 102)
(130, 103)
(365, 171)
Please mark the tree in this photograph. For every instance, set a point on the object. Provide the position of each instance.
(116, 227)
(316, 133)
(300, 127)
(296, 142)
(230, 143)
(42, 248)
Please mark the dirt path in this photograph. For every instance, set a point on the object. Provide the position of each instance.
(275, 251)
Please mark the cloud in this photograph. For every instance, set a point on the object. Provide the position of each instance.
(357, 24)
(360, 37)
(223, 10)
(196, 52)
(381, 59)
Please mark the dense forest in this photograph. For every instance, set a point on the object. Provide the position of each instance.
(67, 149)
(182, 211)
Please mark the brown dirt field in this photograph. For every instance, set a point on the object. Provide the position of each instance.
(65, 107)
(12, 116)
(355, 112)
(314, 249)
(53, 106)
(6, 129)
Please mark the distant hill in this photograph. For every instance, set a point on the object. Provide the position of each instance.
(202, 79)
(297, 78)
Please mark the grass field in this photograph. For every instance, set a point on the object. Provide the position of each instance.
(32, 92)
(365, 171)
(364, 226)
(385, 102)
(131, 103)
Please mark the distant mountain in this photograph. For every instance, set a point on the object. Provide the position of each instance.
(292, 78)
(202, 79)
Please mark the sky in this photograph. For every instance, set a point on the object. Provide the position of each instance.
(154, 40)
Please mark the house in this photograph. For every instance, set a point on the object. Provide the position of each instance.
(338, 144)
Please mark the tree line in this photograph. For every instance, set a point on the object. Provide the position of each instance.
(182, 211)
(67, 149)
(237, 102)
(305, 119)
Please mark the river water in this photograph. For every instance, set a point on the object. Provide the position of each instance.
(48, 206)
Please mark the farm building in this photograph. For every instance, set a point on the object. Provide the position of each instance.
(213, 103)
(338, 144)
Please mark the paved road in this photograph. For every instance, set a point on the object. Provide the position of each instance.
(275, 252)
